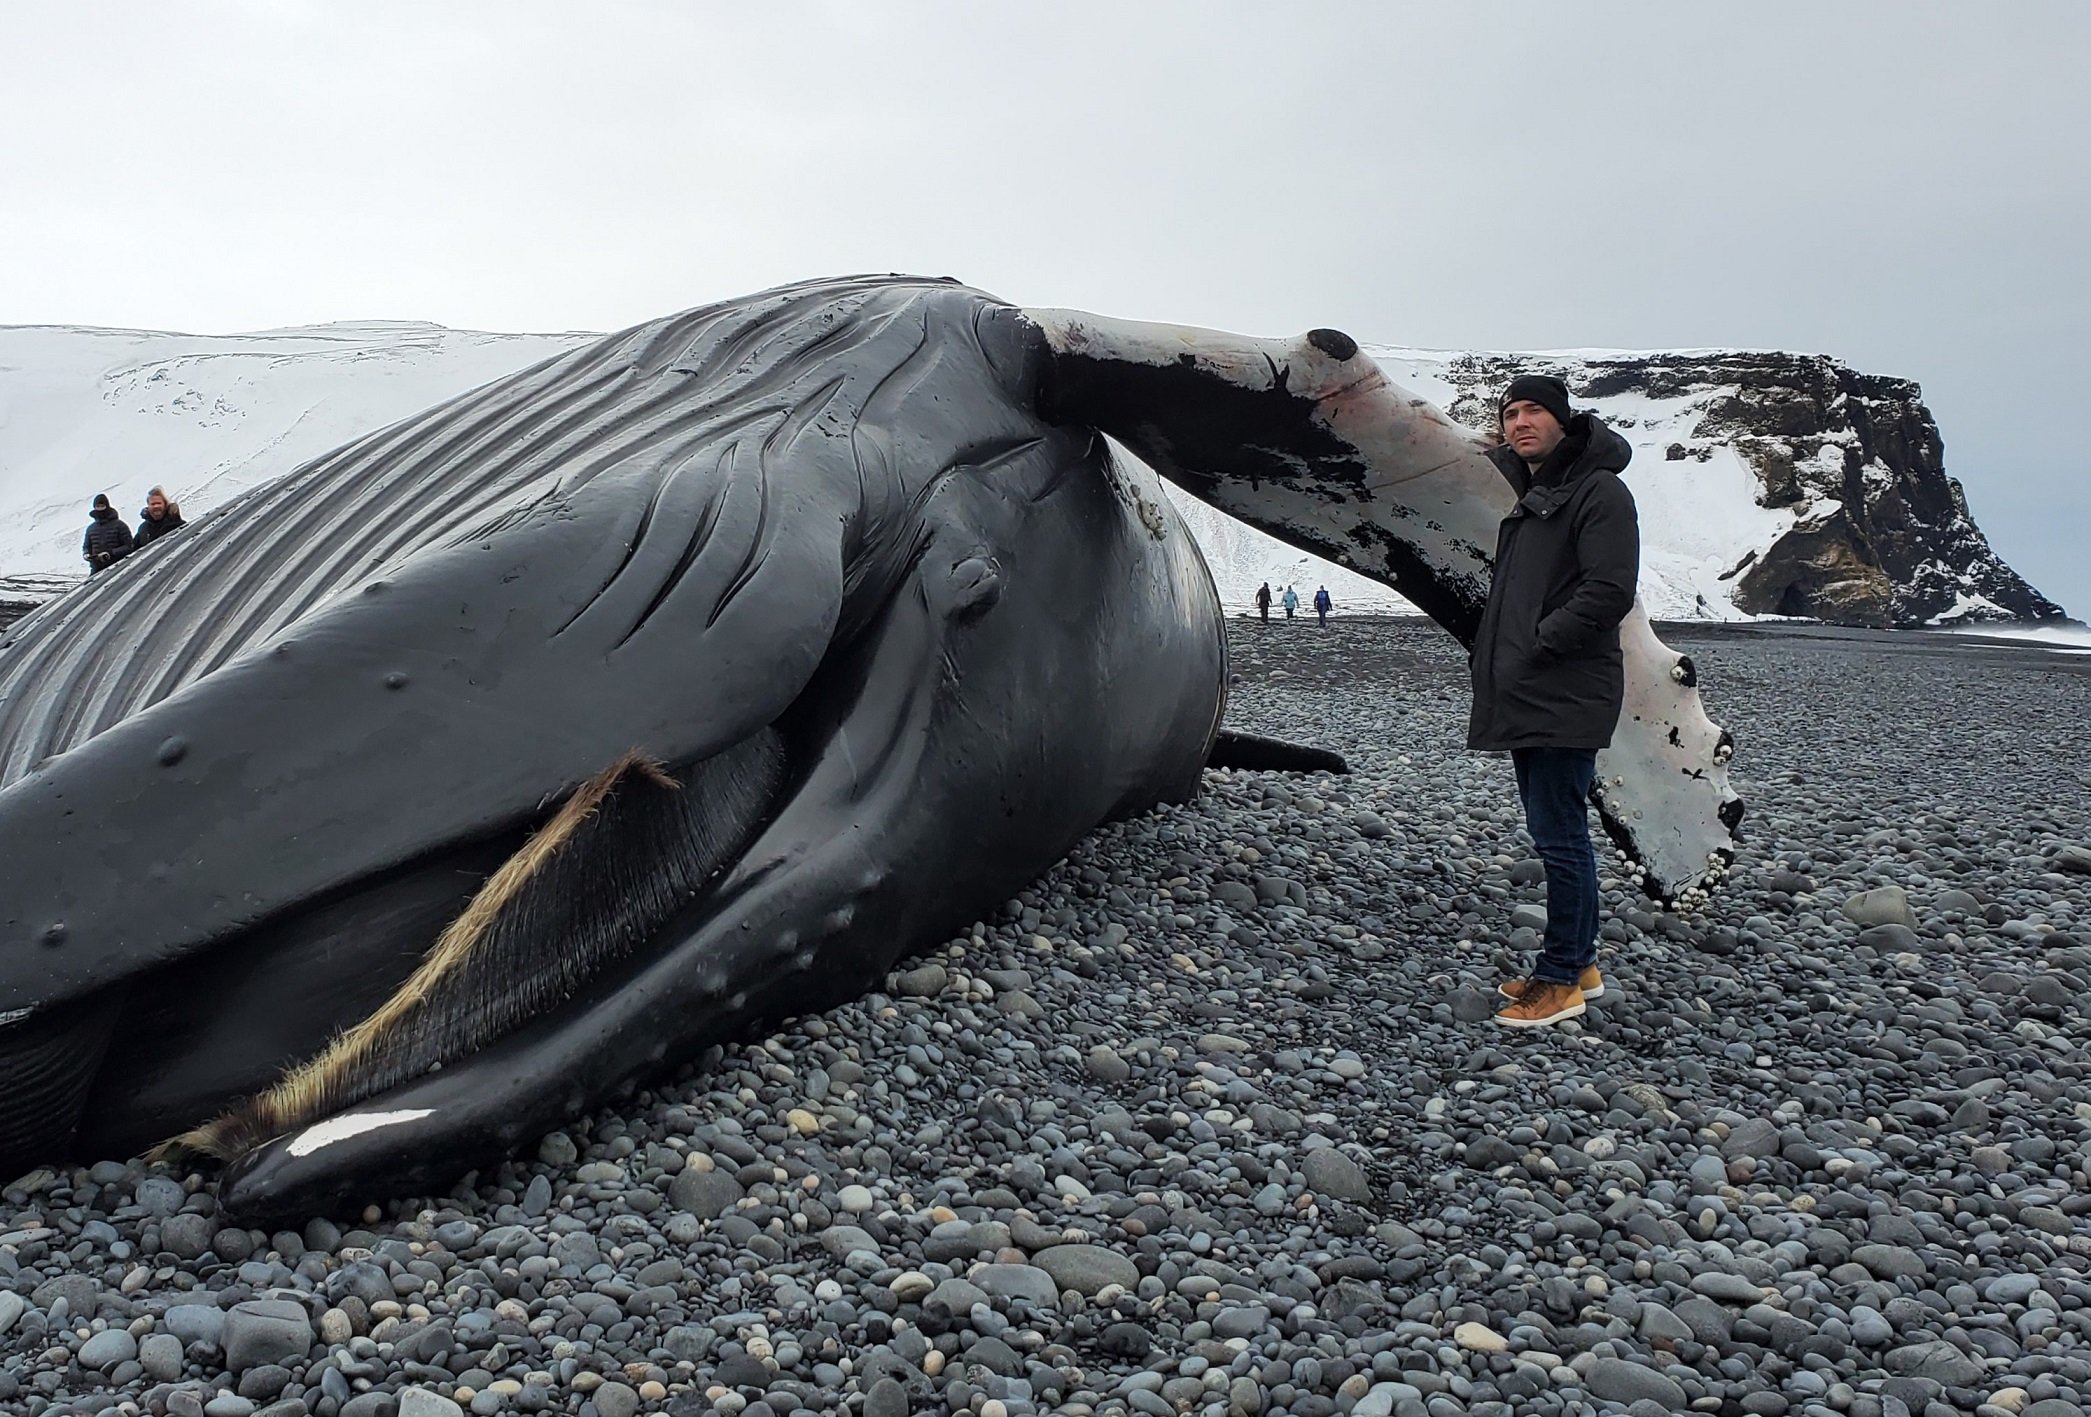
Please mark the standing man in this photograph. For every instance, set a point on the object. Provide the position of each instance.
(159, 517)
(108, 540)
(1263, 601)
(1292, 601)
(1548, 678)
(1322, 606)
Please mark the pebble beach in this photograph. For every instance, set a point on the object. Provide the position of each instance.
(1213, 1120)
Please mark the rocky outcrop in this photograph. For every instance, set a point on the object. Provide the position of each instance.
(1879, 534)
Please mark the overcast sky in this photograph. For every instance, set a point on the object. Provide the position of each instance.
(1901, 185)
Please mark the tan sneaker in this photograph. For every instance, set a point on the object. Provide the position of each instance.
(1589, 981)
(1542, 1004)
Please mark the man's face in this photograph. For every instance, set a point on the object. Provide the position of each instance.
(1530, 430)
(156, 506)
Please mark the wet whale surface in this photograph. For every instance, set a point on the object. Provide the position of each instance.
(673, 684)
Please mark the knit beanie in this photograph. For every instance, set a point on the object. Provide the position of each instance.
(1543, 389)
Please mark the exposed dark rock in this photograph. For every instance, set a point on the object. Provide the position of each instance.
(1882, 535)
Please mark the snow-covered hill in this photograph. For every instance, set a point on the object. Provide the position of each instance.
(1765, 484)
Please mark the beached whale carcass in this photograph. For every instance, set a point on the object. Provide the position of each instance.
(678, 682)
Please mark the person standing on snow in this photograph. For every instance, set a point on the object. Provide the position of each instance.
(1292, 601)
(1263, 600)
(108, 540)
(1547, 672)
(1322, 606)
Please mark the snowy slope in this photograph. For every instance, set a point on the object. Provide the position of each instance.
(89, 410)
(93, 410)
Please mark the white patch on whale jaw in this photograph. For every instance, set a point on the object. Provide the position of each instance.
(351, 1124)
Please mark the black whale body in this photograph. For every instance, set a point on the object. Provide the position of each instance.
(899, 640)
(403, 808)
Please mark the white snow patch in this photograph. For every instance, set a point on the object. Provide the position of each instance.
(2068, 637)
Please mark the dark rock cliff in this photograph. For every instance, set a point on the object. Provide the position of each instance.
(1881, 534)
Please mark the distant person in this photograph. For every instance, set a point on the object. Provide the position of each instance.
(108, 540)
(159, 517)
(1263, 600)
(1548, 677)
(1322, 606)
(1292, 601)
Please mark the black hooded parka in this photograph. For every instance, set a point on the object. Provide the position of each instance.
(1546, 665)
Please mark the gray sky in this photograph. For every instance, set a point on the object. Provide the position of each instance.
(1900, 185)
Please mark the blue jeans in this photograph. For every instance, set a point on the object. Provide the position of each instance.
(1554, 785)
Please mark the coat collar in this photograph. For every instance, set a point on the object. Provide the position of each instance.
(1590, 447)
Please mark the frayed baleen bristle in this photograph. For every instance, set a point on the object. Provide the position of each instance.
(315, 1087)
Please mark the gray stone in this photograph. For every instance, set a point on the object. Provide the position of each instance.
(996, 1356)
(159, 1196)
(1939, 1361)
(108, 1348)
(12, 1306)
(924, 981)
(1487, 1153)
(955, 1296)
(1018, 1281)
(616, 1400)
(1883, 905)
(886, 1398)
(161, 1356)
(1245, 1321)
(1752, 1138)
(705, 1193)
(1889, 1261)
(1728, 1288)
(1106, 1066)
(1658, 1325)
(1330, 1173)
(263, 1331)
(424, 1402)
(1622, 1381)
(1709, 1322)
(1085, 1269)
(195, 1323)
(186, 1236)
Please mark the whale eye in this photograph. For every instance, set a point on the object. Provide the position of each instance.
(975, 586)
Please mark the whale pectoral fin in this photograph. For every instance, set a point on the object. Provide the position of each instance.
(674, 611)
(1259, 754)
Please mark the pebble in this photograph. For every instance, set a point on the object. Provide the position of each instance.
(1087, 1269)
(1479, 1338)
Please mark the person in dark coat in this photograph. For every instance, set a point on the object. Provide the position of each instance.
(159, 517)
(1548, 676)
(1322, 606)
(1263, 600)
(108, 540)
